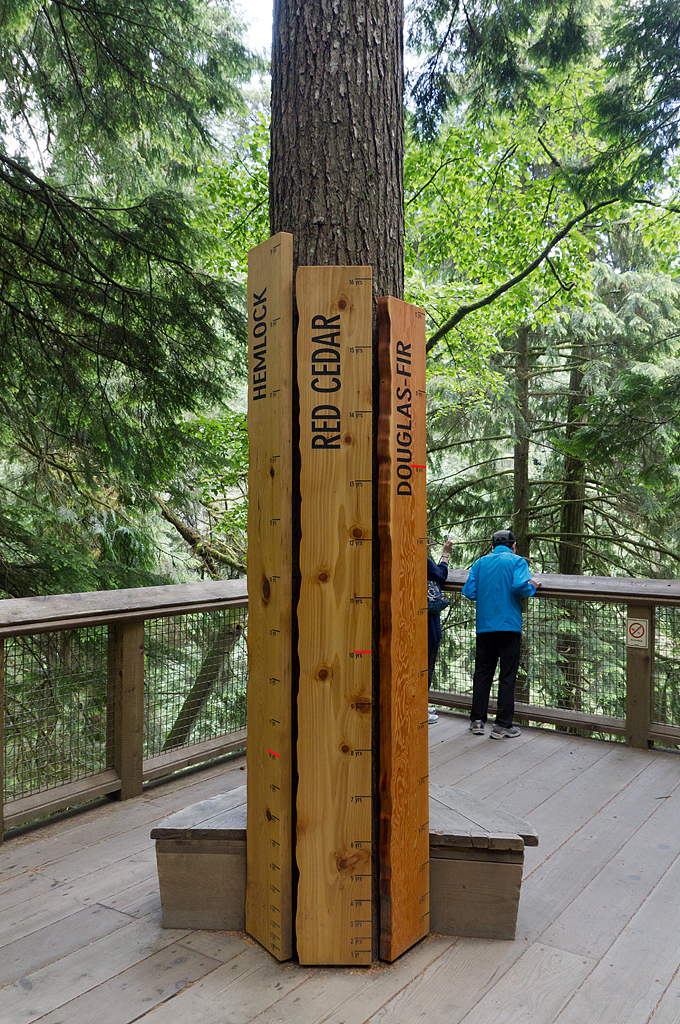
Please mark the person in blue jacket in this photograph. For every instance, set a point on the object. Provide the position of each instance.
(497, 582)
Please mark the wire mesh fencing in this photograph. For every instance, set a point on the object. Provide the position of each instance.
(666, 692)
(57, 729)
(573, 655)
(58, 720)
(195, 678)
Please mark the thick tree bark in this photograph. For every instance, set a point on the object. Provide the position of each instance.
(337, 137)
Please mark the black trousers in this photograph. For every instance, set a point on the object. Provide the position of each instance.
(432, 651)
(502, 646)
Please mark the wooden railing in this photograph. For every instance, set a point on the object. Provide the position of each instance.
(121, 622)
(118, 618)
(628, 599)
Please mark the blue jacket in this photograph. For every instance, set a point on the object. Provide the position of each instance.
(496, 582)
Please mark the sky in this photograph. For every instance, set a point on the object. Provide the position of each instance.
(259, 14)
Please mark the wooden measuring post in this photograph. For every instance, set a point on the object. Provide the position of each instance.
(402, 531)
(639, 673)
(269, 894)
(334, 800)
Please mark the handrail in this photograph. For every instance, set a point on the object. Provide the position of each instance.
(24, 615)
(641, 598)
(70, 611)
(618, 589)
(125, 611)
(124, 614)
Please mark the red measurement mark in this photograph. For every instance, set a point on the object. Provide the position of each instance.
(363, 652)
(273, 752)
(413, 466)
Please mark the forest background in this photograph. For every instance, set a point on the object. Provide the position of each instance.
(541, 183)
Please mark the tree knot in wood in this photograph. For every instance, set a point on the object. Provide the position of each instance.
(324, 577)
(353, 863)
(357, 532)
(345, 749)
(266, 590)
(323, 674)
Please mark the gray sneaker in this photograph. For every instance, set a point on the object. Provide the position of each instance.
(477, 727)
(500, 732)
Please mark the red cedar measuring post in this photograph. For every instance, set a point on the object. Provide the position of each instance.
(334, 800)
(402, 530)
(269, 896)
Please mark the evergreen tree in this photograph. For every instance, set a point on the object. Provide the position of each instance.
(111, 331)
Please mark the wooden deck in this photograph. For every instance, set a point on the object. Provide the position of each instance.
(598, 935)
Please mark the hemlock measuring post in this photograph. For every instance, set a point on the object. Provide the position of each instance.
(269, 894)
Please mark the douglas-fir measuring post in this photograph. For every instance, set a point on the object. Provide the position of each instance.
(402, 531)
(334, 799)
(269, 898)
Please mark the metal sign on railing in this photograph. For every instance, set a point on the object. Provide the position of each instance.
(637, 632)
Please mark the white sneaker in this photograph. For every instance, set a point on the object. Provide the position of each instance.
(432, 717)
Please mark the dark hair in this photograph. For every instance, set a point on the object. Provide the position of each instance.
(505, 537)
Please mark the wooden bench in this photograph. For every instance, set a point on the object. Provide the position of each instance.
(476, 862)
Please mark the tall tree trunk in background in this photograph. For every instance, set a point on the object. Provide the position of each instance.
(570, 548)
(520, 516)
(216, 662)
(520, 519)
(337, 136)
(572, 514)
(336, 179)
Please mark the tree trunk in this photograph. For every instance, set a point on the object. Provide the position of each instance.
(337, 136)
(521, 491)
(572, 513)
(336, 180)
(214, 664)
(570, 551)
(520, 516)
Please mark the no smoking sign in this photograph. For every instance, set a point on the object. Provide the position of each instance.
(637, 633)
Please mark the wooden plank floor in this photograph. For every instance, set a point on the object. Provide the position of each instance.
(598, 938)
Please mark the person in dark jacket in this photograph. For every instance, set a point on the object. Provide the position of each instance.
(436, 574)
(497, 582)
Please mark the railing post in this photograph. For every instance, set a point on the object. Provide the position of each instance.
(2, 737)
(126, 703)
(639, 674)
